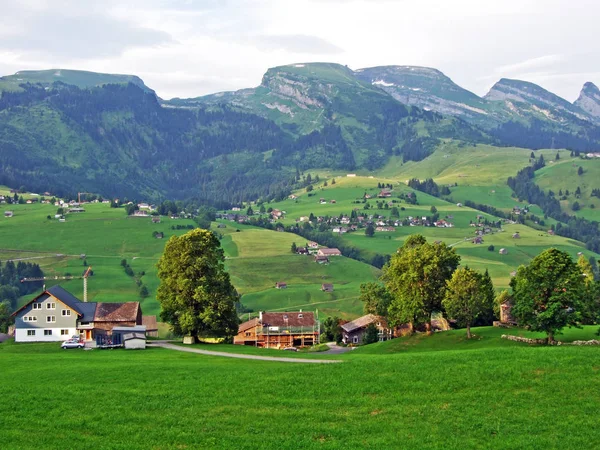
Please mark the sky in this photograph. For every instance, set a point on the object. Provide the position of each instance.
(187, 48)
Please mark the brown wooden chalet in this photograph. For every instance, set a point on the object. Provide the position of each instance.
(110, 315)
(279, 330)
(354, 332)
(327, 287)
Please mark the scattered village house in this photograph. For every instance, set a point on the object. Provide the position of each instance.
(8, 214)
(279, 330)
(354, 332)
(327, 287)
(56, 315)
(281, 285)
(329, 252)
(321, 259)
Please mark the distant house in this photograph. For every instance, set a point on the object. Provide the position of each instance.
(327, 287)
(156, 219)
(503, 251)
(313, 244)
(8, 214)
(321, 259)
(279, 330)
(280, 285)
(551, 232)
(384, 194)
(506, 316)
(516, 235)
(350, 174)
(332, 201)
(478, 240)
(354, 332)
(236, 208)
(302, 250)
(76, 210)
(221, 225)
(140, 213)
(292, 197)
(329, 252)
(459, 205)
(159, 234)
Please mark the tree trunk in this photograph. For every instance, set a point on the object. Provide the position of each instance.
(428, 326)
(469, 332)
(550, 337)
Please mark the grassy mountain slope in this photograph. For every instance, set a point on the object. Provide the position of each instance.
(348, 193)
(256, 259)
(79, 78)
(563, 176)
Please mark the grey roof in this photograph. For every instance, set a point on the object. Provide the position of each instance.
(128, 336)
(361, 322)
(87, 310)
(135, 329)
(64, 296)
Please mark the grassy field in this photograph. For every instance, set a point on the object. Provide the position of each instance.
(258, 258)
(487, 393)
(348, 190)
(562, 175)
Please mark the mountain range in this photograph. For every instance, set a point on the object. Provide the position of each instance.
(66, 130)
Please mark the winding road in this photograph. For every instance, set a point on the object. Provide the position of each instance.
(166, 344)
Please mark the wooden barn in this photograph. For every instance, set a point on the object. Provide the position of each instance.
(279, 330)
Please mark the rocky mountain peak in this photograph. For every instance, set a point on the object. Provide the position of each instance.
(589, 99)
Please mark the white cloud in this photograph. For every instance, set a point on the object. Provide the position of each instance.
(190, 48)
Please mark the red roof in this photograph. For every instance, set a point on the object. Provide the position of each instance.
(288, 319)
(117, 312)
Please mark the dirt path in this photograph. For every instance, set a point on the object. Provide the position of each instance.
(165, 344)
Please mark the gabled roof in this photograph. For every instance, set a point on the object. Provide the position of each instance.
(288, 319)
(361, 322)
(60, 294)
(116, 312)
(87, 310)
(248, 325)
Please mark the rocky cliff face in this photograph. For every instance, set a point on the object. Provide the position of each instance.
(524, 98)
(426, 88)
(589, 100)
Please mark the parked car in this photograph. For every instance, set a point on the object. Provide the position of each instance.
(72, 343)
(291, 349)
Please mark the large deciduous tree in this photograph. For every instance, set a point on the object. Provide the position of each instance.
(195, 292)
(548, 294)
(416, 279)
(376, 299)
(467, 297)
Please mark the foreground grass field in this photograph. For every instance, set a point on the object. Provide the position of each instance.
(500, 396)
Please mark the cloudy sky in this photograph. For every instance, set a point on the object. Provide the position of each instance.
(186, 48)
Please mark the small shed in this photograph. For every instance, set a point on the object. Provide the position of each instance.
(139, 329)
(503, 251)
(281, 285)
(134, 341)
(327, 287)
(8, 213)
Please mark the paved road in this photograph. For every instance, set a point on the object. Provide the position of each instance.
(165, 344)
(335, 349)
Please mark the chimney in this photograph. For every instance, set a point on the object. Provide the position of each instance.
(260, 316)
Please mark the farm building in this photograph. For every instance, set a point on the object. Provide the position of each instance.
(312, 244)
(321, 259)
(327, 287)
(134, 341)
(156, 219)
(8, 214)
(76, 210)
(151, 325)
(328, 252)
(279, 330)
(56, 315)
(281, 285)
(516, 235)
(354, 332)
(503, 251)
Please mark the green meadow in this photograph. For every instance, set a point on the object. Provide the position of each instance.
(563, 175)
(422, 392)
(348, 191)
(258, 258)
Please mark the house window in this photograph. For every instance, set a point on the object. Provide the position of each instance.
(64, 332)
(248, 334)
(47, 332)
(50, 319)
(66, 312)
(355, 339)
(29, 319)
(300, 316)
(378, 324)
(30, 332)
(36, 306)
(50, 305)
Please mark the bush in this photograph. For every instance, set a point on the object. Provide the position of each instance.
(491, 248)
